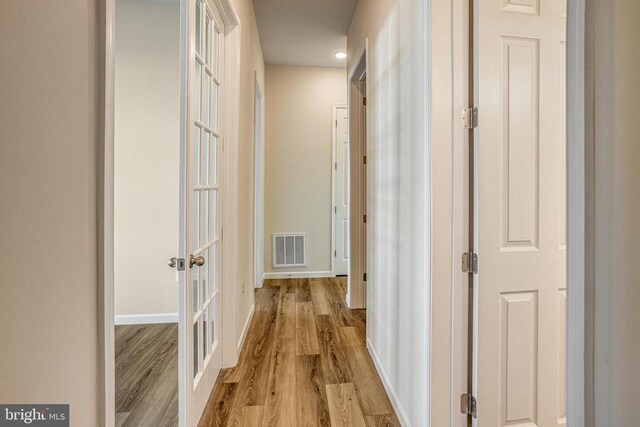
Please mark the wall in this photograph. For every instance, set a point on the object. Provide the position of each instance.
(251, 70)
(298, 147)
(398, 214)
(147, 148)
(617, 209)
(48, 254)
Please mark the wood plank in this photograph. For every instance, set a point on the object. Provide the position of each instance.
(303, 293)
(312, 408)
(219, 407)
(344, 408)
(320, 296)
(146, 374)
(121, 418)
(334, 363)
(280, 404)
(306, 333)
(251, 416)
(370, 391)
(386, 420)
(350, 337)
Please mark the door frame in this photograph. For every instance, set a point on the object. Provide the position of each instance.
(334, 184)
(258, 184)
(358, 187)
(105, 64)
(448, 64)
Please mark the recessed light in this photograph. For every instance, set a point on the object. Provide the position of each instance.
(340, 54)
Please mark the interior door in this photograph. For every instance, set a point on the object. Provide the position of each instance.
(203, 207)
(521, 213)
(341, 254)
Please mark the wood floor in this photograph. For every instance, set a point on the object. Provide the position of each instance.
(147, 375)
(303, 363)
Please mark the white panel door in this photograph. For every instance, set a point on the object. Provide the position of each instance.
(521, 213)
(341, 211)
(203, 207)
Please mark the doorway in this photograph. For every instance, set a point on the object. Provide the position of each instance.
(146, 213)
(517, 258)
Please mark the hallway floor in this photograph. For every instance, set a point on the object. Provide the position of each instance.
(303, 363)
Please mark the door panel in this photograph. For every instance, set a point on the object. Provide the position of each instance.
(520, 224)
(203, 207)
(342, 193)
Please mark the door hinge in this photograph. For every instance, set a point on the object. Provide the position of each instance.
(177, 263)
(335, 254)
(470, 117)
(364, 277)
(468, 405)
(221, 234)
(470, 262)
(335, 165)
(335, 209)
(364, 218)
(364, 159)
(364, 100)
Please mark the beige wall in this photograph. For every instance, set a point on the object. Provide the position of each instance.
(48, 249)
(298, 147)
(398, 215)
(617, 212)
(147, 149)
(251, 69)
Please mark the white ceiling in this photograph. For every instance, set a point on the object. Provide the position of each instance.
(304, 32)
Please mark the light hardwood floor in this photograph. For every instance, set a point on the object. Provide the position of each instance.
(303, 363)
(147, 375)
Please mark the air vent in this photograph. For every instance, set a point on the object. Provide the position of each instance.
(289, 250)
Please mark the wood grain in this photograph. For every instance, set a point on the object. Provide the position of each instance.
(146, 375)
(386, 420)
(302, 342)
(306, 333)
(312, 409)
(343, 406)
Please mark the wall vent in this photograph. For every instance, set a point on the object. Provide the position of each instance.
(289, 250)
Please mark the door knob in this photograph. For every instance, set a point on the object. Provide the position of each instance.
(198, 260)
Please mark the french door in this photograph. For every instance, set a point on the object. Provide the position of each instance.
(202, 202)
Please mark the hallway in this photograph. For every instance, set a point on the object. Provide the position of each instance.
(304, 362)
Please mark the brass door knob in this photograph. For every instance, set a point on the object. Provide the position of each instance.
(198, 260)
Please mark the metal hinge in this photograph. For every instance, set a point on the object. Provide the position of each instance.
(364, 159)
(470, 117)
(177, 263)
(470, 262)
(364, 277)
(364, 101)
(335, 166)
(468, 405)
(335, 209)
(364, 218)
(335, 254)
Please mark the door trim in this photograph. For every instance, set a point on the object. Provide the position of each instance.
(334, 184)
(258, 184)
(105, 197)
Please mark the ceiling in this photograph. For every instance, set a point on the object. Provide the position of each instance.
(304, 32)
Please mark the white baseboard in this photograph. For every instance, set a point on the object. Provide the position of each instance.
(296, 275)
(246, 328)
(402, 416)
(146, 319)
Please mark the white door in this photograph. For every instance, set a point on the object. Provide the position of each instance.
(203, 208)
(341, 209)
(521, 213)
